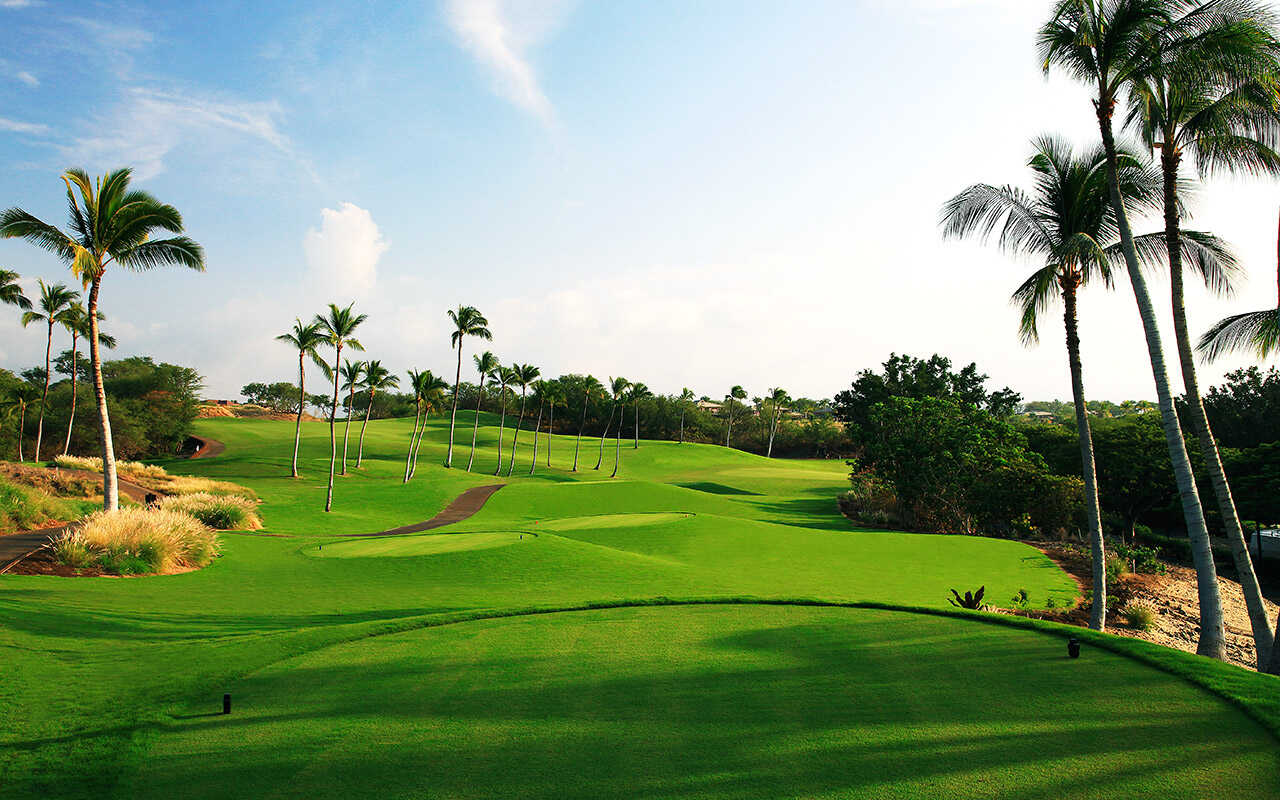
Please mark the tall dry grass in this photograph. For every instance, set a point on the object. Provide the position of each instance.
(228, 512)
(133, 541)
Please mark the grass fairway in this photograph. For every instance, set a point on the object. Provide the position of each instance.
(375, 665)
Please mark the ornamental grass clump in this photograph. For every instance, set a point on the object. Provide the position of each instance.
(135, 469)
(1140, 618)
(227, 512)
(133, 541)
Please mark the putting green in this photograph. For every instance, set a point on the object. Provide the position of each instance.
(714, 702)
(416, 545)
(609, 521)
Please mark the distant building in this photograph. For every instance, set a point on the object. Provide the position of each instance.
(711, 407)
(1043, 415)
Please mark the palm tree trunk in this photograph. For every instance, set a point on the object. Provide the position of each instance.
(368, 407)
(613, 409)
(636, 446)
(413, 436)
(346, 435)
(422, 431)
(551, 427)
(537, 426)
(1093, 516)
(577, 443)
(302, 405)
(728, 428)
(453, 415)
(1263, 637)
(773, 427)
(617, 446)
(110, 485)
(22, 423)
(71, 418)
(515, 436)
(44, 397)
(502, 428)
(682, 426)
(1212, 637)
(475, 428)
(333, 434)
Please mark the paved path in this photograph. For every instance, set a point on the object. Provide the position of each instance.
(15, 547)
(208, 447)
(464, 506)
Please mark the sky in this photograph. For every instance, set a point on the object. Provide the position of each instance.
(686, 194)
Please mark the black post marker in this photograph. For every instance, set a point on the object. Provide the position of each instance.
(226, 704)
(1073, 647)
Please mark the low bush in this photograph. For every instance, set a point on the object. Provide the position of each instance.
(1139, 618)
(871, 501)
(1117, 568)
(227, 512)
(1142, 560)
(24, 507)
(1020, 600)
(133, 541)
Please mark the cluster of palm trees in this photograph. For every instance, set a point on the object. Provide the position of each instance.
(1195, 79)
(109, 223)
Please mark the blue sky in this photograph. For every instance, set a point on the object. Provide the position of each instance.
(686, 193)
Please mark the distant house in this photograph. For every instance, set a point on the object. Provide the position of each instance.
(1041, 415)
(710, 407)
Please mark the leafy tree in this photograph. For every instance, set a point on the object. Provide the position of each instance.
(338, 326)
(306, 339)
(110, 223)
(1113, 45)
(467, 321)
(377, 378)
(486, 364)
(1245, 410)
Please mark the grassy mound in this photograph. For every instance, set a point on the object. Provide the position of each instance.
(157, 478)
(24, 507)
(224, 512)
(134, 541)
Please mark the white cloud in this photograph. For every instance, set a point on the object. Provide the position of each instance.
(27, 78)
(342, 254)
(14, 126)
(499, 33)
(16, 3)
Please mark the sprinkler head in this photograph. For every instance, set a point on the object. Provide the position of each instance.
(1073, 647)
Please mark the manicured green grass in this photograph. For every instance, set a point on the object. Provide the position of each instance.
(103, 677)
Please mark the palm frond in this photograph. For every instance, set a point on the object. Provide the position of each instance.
(1258, 331)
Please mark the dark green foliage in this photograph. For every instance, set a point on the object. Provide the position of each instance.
(281, 396)
(971, 600)
(1143, 560)
(1245, 411)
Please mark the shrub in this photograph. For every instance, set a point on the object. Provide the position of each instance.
(23, 507)
(1117, 568)
(871, 501)
(221, 512)
(971, 600)
(1143, 560)
(134, 541)
(1020, 600)
(184, 485)
(1139, 618)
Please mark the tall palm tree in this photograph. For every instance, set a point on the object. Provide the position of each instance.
(338, 325)
(504, 377)
(620, 387)
(10, 292)
(20, 397)
(376, 378)
(1109, 44)
(110, 224)
(467, 321)
(1068, 223)
(52, 310)
(736, 395)
(416, 384)
(1218, 105)
(352, 374)
(777, 398)
(1258, 331)
(616, 387)
(524, 374)
(76, 321)
(306, 338)
(686, 397)
(590, 388)
(486, 363)
(540, 390)
(433, 389)
(555, 396)
(638, 392)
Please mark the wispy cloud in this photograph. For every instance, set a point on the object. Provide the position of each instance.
(16, 3)
(499, 34)
(15, 126)
(113, 35)
(27, 79)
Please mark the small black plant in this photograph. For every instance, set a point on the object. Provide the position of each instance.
(1020, 600)
(971, 600)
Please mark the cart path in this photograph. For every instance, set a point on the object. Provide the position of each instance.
(464, 506)
(208, 447)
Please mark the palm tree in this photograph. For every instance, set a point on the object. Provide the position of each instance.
(76, 321)
(352, 374)
(638, 392)
(504, 377)
(338, 326)
(735, 395)
(21, 396)
(686, 397)
(777, 399)
(306, 339)
(619, 386)
(539, 389)
(525, 374)
(1110, 45)
(1069, 223)
(616, 387)
(590, 388)
(54, 302)
(555, 396)
(432, 392)
(1218, 105)
(416, 384)
(376, 378)
(10, 292)
(467, 321)
(110, 223)
(486, 363)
